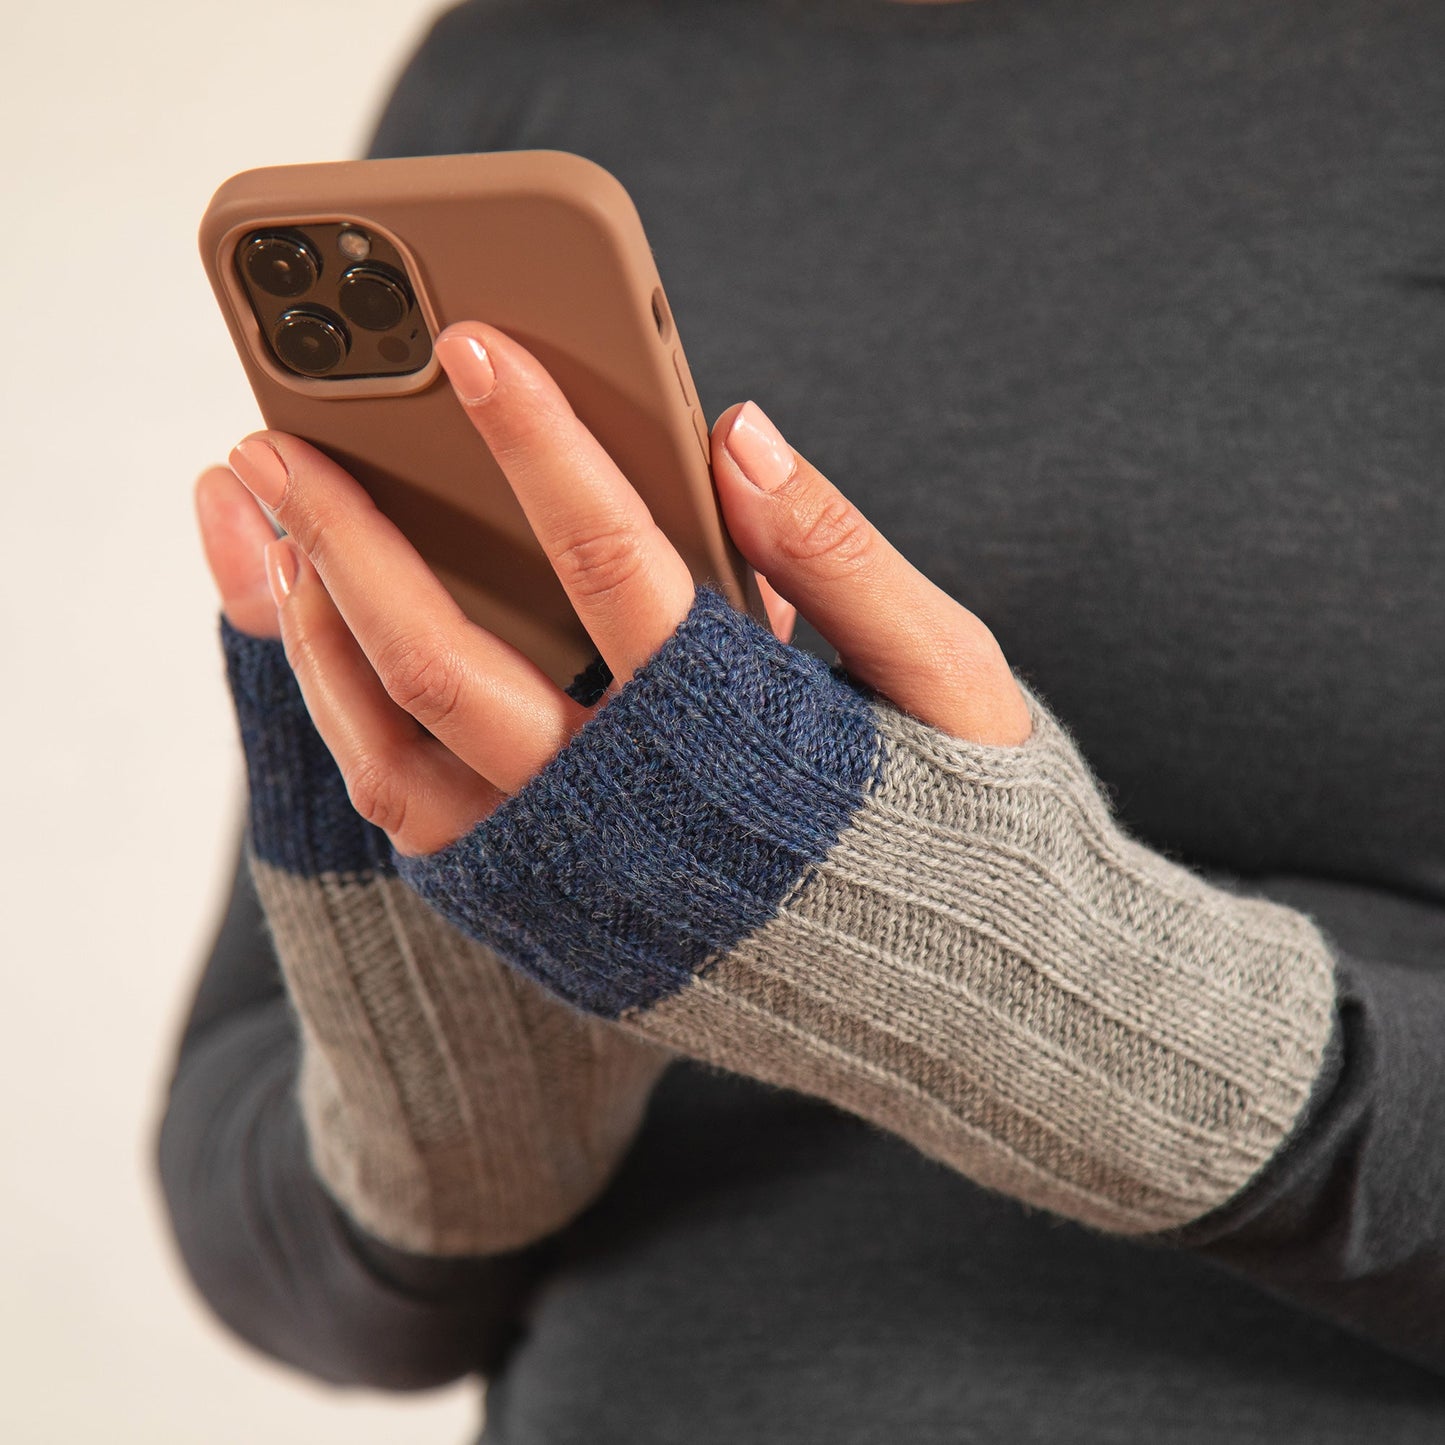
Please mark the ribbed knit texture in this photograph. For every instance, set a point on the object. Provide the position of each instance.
(451, 1105)
(677, 823)
(747, 859)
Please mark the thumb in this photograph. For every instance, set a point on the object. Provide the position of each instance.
(895, 631)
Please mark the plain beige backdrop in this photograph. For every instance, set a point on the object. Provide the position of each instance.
(121, 778)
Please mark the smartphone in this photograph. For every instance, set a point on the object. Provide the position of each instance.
(335, 279)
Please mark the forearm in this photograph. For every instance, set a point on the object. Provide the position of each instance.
(954, 941)
(451, 1106)
(959, 944)
(265, 1243)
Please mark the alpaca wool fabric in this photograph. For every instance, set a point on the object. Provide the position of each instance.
(450, 1104)
(744, 858)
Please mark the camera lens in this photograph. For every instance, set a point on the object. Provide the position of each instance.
(373, 297)
(282, 265)
(312, 342)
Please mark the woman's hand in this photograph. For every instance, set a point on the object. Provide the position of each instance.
(378, 645)
(749, 862)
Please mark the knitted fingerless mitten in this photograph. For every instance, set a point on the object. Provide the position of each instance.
(451, 1105)
(745, 858)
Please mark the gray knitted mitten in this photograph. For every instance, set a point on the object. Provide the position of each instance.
(744, 858)
(451, 1105)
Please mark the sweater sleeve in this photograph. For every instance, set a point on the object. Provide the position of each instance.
(1349, 1219)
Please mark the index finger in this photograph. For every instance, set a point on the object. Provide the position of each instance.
(626, 582)
(492, 706)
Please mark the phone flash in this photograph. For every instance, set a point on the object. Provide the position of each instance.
(354, 245)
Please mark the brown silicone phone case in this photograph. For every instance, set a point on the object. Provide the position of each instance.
(548, 247)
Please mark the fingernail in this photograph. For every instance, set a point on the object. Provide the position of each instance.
(281, 568)
(259, 465)
(468, 367)
(758, 448)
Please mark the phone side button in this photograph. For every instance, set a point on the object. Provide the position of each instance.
(700, 427)
(681, 371)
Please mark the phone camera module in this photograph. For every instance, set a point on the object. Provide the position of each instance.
(281, 264)
(311, 341)
(332, 302)
(373, 297)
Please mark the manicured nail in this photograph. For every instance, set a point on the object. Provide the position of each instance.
(468, 367)
(259, 465)
(758, 448)
(281, 568)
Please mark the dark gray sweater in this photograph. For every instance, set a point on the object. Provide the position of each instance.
(1127, 323)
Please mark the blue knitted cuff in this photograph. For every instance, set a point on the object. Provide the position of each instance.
(301, 819)
(677, 821)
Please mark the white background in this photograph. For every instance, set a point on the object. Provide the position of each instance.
(120, 773)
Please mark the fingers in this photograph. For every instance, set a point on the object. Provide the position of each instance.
(398, 776)
(626, 582)
(233, 532)
(894, 630)
(782, 615)
(495, 709)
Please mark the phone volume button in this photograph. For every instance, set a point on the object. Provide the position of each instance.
(681, 371)
(700, 427)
